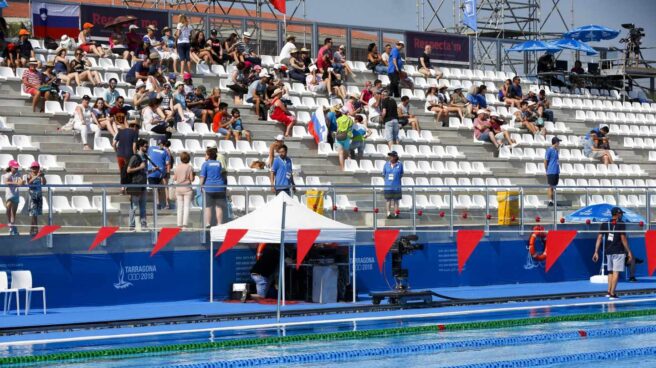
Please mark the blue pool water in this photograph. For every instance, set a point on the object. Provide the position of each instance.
(521, 350)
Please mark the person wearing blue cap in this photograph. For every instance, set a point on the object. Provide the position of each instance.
(392, 174)
(617, 249)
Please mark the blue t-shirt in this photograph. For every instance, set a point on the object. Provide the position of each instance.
(472, 99)
(392, 176)
(161, 158)
(282, 172)
(482, 102)
(395, 55)
(211, 171)
(237, 125)
(515, 91)
(180, 98)
(331, 121)
(137, 68)
(553, 166)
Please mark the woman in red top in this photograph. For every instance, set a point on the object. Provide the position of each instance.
(280, 112)
(86, 45)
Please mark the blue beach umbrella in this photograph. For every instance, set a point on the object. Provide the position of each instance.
(576, 45)
(592, 33)
(533, 45)
(601, 213)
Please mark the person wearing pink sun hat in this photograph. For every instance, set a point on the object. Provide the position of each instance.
(12, 179)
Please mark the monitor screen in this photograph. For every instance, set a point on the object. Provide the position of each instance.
(593, 68)
(561, 64)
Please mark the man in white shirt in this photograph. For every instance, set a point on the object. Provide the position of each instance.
(285, 52)
(374, 107)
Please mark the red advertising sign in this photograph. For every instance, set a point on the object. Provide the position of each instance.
(445, 47)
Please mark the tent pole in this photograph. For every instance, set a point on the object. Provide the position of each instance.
(281, 275)
(354, 268)
(211, 271)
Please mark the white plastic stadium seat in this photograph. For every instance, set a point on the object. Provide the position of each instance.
(22, 280)
(4, 289)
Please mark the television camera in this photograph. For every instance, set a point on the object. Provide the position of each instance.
(633, 41)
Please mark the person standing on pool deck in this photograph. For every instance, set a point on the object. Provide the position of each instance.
(617, 249)
(392, 174)
(552, 166)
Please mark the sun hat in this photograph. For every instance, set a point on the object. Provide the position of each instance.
(151, 27)
(280, 137)
(178, 84)
(140, 84)
(13, 164)
(87, 25)
(33, 61)
(186, 75)
(23, 32)
(34, 164)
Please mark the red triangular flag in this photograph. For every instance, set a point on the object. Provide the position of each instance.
(104, 233)
(650, 251)
(232, 238)
(45, 231)
(279, 5)
(165, 236)
(304, 241)
(466, 242)
(383, 240)
(557, 242)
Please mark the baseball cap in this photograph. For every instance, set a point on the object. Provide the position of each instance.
(555, 140)
(186, 75)
(616, 210)
(280, 137)
(133, 26)
(87, 25)
(393, 154)
(13, 164)
(162, 140)
(35, 164)
(172, 76)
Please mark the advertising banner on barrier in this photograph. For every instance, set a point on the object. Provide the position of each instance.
(445, 47)
(101, 15)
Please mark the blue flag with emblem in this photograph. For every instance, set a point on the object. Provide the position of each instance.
(469, 14)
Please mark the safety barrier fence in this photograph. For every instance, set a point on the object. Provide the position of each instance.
(570, 335)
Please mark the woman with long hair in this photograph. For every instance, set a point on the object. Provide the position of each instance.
(183, 37)
(105, 122)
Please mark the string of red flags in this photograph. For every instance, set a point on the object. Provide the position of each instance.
(650, 247)
(466, 242)
(232, 238)
(103, 234)
(557, 242)
(166, 234)
(45, 231)
(383, 241)
(304, 241)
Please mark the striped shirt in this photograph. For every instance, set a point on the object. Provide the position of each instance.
(31, 79)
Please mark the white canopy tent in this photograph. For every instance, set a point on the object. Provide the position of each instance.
(264, 224)
(278, 223)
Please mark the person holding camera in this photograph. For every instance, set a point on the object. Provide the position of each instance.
(35, 179)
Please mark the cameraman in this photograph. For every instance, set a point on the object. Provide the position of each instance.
(265, 269)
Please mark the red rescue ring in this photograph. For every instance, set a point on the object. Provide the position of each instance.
(538, 232)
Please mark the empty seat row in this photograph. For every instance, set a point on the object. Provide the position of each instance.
(438, 184)
(18, 142)
(608, 185)
(77, 204)
(48, 162)
(630, 200)
(421, 167)
(568, 169)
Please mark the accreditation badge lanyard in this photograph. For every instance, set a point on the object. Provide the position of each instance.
(611, 234)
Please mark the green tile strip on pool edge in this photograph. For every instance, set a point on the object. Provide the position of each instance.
(345, 335)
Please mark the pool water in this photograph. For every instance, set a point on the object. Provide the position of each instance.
(482, 347)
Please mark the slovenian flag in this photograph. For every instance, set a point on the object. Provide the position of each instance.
(317, 126)
(55, 20)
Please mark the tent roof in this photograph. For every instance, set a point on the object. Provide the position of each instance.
(264, 223)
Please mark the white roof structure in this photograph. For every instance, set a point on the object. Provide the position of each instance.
(264, 224)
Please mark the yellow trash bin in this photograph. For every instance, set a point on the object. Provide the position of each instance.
(508, 207)
(314, 199)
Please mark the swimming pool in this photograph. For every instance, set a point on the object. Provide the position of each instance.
(563, 337)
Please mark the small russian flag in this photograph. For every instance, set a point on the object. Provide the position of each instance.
(317, 126)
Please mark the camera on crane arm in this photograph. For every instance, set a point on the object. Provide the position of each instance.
(405, 245)
(635, 34)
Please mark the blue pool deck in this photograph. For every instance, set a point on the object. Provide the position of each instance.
(59, 316)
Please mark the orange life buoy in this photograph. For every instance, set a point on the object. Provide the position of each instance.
(538, 232)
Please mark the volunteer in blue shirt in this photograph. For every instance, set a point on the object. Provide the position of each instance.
(213, 180)
(392, 174)
(282, 175)
(394, 69)
(552, 167)
(159, 167)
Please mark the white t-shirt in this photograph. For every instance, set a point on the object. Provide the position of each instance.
(430, 101)
(148, 118)
(10, 191)
(185, 33)
(385, 57)
(285, 52)
(373, 111)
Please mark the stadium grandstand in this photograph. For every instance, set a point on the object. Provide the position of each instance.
(157, 131)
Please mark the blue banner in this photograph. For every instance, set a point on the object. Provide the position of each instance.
(469, 14)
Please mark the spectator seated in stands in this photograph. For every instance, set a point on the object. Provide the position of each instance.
(286, 51)
(305, 57)
(374, 61)
(84, 121)
(280, 113)
(111, 93)
(315, 83)
(425, 65)
(67, 43)
(154, 119)
(596, 145)
(23, 50)
(118, 44)
(170, 106)
(325, 57)
(245, 52)
(220, 120)
(339, 63)
(527, 117)
(546, 104)
(198, 104)
(540, 119)
(296, 67)
(483, 129)
(167, 50)
(460, 102)
(62, 67)
(343, 136)
(49, 79)
(360, 135)
(86, 44)
(229, 45)
(385, 56)
(373, 106)
(476, 99)
(257, 95)
(405, 117)
(141, 97)
(236, 128)
(140, 70)
(180, 99)
(515, 90)
(353, 105)
(434, 105)
(119, 113)
(504, 95)
(201, 49)
(82, 67)
(105, 121)
(238, 82)
(188, 83)
(366, 94)
(32, 81)
(501, 135)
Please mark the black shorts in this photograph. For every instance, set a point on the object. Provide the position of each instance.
(392, 195)
(155, 181)
(215, 199)
(552, 179)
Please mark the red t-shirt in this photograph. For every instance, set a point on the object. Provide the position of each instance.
(321, 62)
